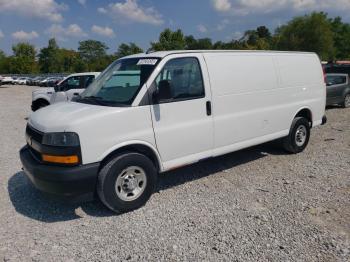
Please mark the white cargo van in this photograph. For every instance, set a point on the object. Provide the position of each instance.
(149, 113)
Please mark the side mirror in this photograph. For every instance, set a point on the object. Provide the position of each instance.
(164, 91)
(155, 97)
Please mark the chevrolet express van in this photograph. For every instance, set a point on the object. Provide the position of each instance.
(150, 113)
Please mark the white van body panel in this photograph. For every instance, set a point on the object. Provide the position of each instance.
(254, 95)
(255, 99)
(101, 129)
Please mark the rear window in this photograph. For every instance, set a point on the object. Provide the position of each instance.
(336, 80)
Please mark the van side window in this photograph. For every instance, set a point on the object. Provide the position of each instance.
(184, 77)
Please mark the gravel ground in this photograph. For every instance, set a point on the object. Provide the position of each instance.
(258, 204)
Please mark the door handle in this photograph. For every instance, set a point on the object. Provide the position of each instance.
(208, 106)
(76, 94)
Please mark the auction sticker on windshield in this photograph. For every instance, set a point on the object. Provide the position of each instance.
(147, 62)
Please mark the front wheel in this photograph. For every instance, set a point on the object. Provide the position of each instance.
(126, 182)
(298, 137)
(39, 104)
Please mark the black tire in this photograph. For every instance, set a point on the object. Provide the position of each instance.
(40, 104)
(107, 179)
(346, 103)
(290, 143)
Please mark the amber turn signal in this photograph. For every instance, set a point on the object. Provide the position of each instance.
(61, 159)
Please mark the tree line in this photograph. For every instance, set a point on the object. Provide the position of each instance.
(315, 32)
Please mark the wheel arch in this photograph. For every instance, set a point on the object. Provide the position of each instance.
(41, 98)
(306, 113)
(135, 146)
(36, 103)
(346, 91)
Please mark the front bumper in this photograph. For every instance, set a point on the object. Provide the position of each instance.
(75, 184)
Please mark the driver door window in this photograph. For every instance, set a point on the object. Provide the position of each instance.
(181, 79)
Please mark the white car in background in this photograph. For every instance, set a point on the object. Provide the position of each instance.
(69, 87)
(7, 80)
(21, 81)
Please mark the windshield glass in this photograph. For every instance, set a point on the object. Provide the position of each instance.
(119, 84)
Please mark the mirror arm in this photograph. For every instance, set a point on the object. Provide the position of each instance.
(155, 97)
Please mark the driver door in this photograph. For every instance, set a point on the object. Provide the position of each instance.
(183, 123)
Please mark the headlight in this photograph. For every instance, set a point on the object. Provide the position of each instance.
(61, 139)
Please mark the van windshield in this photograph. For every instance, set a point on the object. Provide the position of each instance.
(119, 84)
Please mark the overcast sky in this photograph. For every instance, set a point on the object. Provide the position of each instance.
(141, 21)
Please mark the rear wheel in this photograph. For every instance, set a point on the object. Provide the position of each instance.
(346, 102)
(298, 137)
(126, 182)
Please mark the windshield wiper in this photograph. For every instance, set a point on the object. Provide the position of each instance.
(95, 99)
(100, 101)
(92, 97)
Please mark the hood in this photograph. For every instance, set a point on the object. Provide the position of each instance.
(43, 90)
(65, 116)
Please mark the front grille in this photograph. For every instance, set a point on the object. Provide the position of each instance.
(34, 134)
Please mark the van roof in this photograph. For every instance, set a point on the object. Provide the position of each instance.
(161, 54)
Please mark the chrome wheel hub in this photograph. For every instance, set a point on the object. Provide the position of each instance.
(131, 183)
(300, 135)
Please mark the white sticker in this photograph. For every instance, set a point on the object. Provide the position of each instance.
(147, 62)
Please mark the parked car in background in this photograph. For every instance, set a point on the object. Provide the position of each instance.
(15, 80)
(338, 89)
(22, 81)
(150, 113)
(7, 80)
(65, 90)
(32, 81)
(37, 81)
(338, 67)
(54, 81)
(44, 81)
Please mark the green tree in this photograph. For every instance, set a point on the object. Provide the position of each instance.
(49, 58)
(307, 33)
(23, 61)
(341, 36)
(198, 44)
(94, 54)
(169, 40)
(3, 60)
(128, 49)
(263, 32)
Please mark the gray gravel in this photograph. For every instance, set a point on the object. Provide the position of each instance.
(258, 204)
